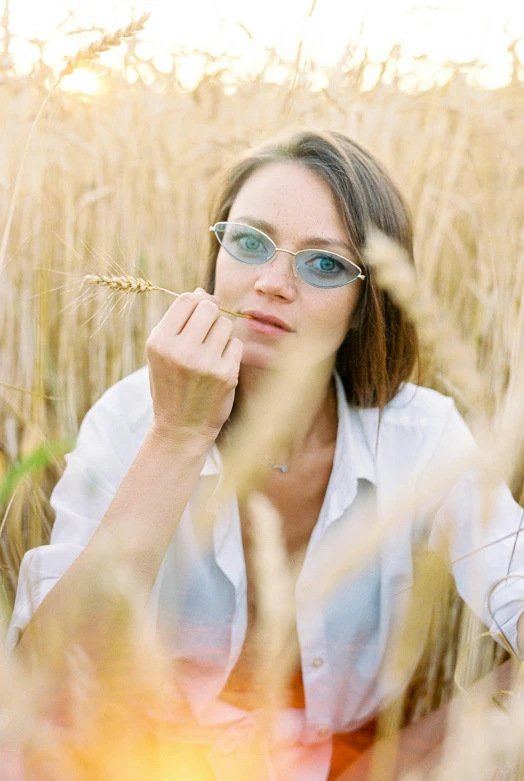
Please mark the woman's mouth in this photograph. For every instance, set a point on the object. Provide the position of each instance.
(265, 328)
(267, 324)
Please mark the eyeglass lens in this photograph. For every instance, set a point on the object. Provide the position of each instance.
(317, 267)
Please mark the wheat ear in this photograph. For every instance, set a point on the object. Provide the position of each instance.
(397, 275)
(128, 284)
(96, 48)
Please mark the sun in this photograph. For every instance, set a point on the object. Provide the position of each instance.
(81, 80)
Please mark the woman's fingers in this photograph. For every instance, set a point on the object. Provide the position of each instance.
(178, 314)
(233, 353)
(193, 366)
(218, 336)
(202, 319)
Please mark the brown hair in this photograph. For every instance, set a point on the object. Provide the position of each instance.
(382, 351)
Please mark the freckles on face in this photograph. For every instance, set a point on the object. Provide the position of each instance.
(297, 210)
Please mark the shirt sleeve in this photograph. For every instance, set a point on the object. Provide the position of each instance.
(482, 528)
(104, 450)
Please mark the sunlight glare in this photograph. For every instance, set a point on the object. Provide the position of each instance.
(82, 80)
(460, 31)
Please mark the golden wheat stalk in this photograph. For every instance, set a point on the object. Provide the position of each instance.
(128, 284)
(96, 48)
(396, 274)
(274, 588)
(87, 54)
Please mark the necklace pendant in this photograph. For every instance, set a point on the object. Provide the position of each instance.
(281, 467)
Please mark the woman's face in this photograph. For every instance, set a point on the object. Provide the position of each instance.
(298, 210)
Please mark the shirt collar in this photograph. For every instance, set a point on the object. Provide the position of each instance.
(354, 452)
(352, 461)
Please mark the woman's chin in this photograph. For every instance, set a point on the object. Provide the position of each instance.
(257, 357)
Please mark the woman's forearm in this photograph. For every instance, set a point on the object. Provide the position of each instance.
(134, 534)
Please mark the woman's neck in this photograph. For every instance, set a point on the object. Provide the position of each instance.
(315, 426)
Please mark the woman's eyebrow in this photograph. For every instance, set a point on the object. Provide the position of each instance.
(312, 241)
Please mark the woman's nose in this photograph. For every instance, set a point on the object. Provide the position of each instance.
(278, 275)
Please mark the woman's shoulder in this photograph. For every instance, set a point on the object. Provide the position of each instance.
(415, 405)
(417, 420)
(418, 427)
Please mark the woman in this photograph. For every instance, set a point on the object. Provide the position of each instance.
(288, 227)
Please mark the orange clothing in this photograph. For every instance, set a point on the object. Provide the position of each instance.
(241, 690)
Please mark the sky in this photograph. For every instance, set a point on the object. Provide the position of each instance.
(458, 30)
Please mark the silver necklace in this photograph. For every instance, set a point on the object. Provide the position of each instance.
(281, 467)
(284, 468)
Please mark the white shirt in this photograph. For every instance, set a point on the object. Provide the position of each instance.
(199, 597)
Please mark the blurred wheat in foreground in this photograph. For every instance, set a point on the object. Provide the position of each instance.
(116, 185)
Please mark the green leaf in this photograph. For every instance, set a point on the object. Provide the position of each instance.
(34, 462)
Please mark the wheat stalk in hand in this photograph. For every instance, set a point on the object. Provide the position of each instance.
(128, 284)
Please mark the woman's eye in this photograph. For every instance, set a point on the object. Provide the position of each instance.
(249, 242)
(325, 264)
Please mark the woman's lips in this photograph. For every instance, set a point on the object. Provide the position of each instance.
(264, 328)
(266, 318)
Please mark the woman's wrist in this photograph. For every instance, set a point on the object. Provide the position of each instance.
(176, 437)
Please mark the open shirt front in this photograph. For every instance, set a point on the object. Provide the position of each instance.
(199, 603)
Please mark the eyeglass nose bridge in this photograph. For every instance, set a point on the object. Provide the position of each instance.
(288, 252)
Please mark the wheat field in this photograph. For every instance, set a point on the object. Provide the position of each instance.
(117, 183)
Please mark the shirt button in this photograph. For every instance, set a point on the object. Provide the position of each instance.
(318, 662)
(323, 732)
(227, 745)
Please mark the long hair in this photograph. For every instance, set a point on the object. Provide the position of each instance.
(382, 350)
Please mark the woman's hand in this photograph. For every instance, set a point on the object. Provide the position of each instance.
(194, 366)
